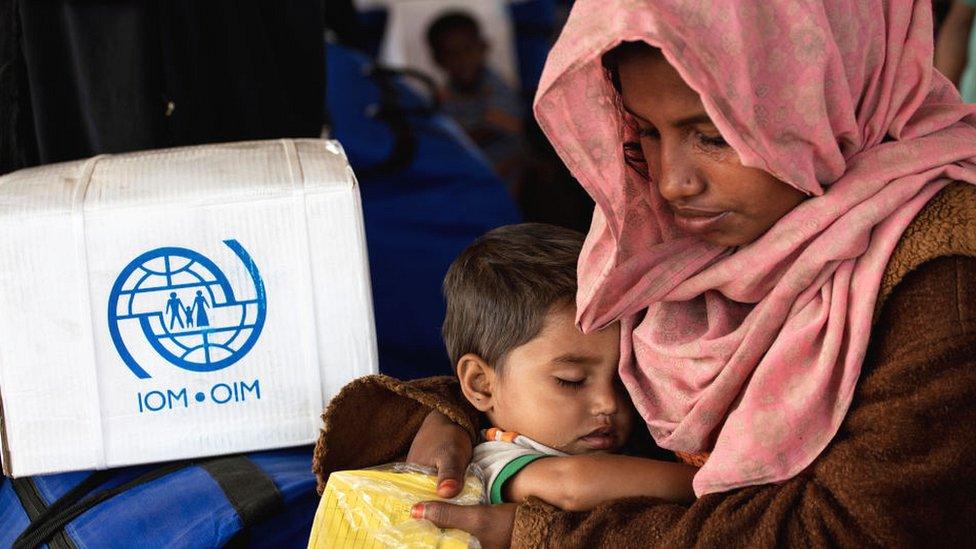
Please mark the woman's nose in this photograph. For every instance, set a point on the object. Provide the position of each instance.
(675, 176)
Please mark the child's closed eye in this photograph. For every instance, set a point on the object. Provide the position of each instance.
(572, 383)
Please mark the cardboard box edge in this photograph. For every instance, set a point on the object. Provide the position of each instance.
(4, 443)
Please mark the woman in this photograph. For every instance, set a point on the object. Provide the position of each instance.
(786, 227)
(200, 304)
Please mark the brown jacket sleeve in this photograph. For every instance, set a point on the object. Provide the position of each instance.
(373, 420)
(900, 472)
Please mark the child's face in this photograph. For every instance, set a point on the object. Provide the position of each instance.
(562, 388)
(461, 53)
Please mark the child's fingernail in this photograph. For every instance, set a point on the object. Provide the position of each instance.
(417, 511)
(448, 484)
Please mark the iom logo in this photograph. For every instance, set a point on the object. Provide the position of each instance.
(176, 304)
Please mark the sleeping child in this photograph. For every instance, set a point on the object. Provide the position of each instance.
(557, 410)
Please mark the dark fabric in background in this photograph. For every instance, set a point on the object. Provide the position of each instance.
(17, 146)
(342, 20)
(79, 78)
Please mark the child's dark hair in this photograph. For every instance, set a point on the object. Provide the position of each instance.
(501, 287)
(450, 21)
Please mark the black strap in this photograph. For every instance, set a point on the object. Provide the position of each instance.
(34, 505)
(396, 115)
(66, 509)
(250, 490)
(82, 489)
(30, 498)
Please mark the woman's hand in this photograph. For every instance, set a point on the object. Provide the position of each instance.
(491, 524)
(443, 445)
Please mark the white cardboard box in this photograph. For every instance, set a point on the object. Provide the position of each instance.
(262, 241)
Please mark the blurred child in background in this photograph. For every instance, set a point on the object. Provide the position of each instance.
(485, 106)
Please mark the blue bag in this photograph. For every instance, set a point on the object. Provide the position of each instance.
(427, 193)
(261, 499)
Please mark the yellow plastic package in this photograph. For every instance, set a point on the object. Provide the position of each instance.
(370, 508)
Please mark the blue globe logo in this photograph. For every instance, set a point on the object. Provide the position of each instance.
(176, 304)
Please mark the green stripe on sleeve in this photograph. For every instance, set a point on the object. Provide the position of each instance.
(509, 471)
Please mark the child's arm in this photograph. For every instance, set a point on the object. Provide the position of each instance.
(579, 483)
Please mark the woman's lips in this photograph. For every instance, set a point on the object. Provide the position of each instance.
(601, 439)
(698, 221)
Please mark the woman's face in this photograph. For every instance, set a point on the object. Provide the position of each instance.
(711, 194)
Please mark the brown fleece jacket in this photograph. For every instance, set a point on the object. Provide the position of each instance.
(901, 470)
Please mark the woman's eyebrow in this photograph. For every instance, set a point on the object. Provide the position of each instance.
(691, 120)
(700, 118)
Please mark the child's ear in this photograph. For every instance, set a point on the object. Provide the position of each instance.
(477, 378)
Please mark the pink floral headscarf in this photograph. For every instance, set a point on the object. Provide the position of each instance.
(753, 353)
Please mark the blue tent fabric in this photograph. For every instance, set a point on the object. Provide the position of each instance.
(13, 517)
(186, 508)
(417, 218)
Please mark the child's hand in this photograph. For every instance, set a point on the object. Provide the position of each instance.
(445, 446)
(491, 524)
